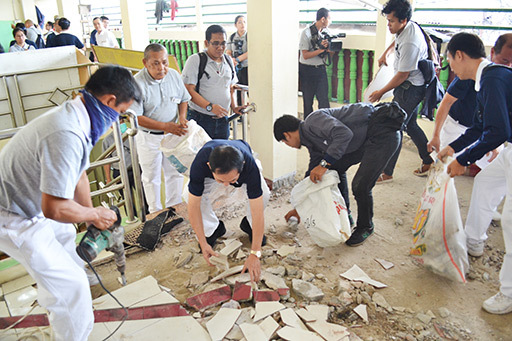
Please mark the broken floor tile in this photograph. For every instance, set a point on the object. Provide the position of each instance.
(381, 301)
(182, 328)
(4, 312)
(230, 248)
(329, 331)
(130, 294)
(293, 334)
(22, 298)
(158, 299)
(291, 319)
(184, 259)
(264, 309)
(320, 311)
(232, 304)
(305, 315)
(265, 296)
(355, 273)
(253, 332)
(285, 250)
(240, 254)
(232, 271)
(269, 326)
(307, 290)
(129, 328)
(220, 261)
(284, 293)
(277, 270)
(361, 311)
(384, 263)
(272, 281)
(199, 278)
(242, 292)
(242, 278)
(210, 298)
(222, 323)
(17, 284)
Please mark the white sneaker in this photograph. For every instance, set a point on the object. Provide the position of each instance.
(475, 249)
(498, 304)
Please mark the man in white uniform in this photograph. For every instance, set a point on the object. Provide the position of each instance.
(162, 111)
(44, 189)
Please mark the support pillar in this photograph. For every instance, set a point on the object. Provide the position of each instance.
(69, 10)
(273, 80)
(382, 38)
(29, 10)
(135, 26)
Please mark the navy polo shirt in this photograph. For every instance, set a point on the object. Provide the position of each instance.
(249, 175)
(463, 110)
(65, 39)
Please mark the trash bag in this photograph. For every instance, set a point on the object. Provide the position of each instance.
(182, 150)
(439, 241)
(322, 209)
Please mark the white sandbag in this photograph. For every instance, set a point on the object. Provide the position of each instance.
(439, 241)
(181, 150)
(322, 209)
(381, 78)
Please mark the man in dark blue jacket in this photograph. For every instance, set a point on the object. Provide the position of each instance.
(492, 127)
(338, 138)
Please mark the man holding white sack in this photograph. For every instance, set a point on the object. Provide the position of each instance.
(163, 111)
(338, 138)
(225, 163)
(492, 127)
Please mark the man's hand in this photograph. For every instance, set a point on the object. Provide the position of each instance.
(175, 128)
(219, 111)
(238, 110)
(375, 96)
(493, 153)
(105, 218)
(317, 173)
(207, 251)
(235, 63)
(383, 60)
(455, 169)
(183, 122)
(292, 213)
(325, 43)
(434, 144)
(253, 266)
(446, 151)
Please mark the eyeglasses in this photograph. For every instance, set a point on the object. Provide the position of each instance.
(217, 43)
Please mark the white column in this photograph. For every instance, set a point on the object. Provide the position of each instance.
(135, 26)
(273, 28)
(382, 37)
(69, 10)
(29, 10)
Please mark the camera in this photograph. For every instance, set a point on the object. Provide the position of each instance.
(237, 48)
(333, 46)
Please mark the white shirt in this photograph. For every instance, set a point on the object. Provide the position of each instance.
(410, 48)
(479, 71)
(107, 39)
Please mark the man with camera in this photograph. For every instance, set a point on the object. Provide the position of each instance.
(313, 51)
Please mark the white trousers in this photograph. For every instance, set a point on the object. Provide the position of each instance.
(209, 199)
(491, 184)
(46, 249)
(153, 162)
(451, 131)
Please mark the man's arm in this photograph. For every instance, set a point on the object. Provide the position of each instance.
(397, 79)
(196, 221)
(182, 109)
(168, 127)
(442, 114)
(199, 100)
(252, 264)
(79, 209)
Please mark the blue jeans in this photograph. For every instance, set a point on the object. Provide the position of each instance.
(217, 128)
(409, 97)
(373, 157)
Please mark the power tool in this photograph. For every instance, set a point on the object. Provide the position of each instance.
(95, 240)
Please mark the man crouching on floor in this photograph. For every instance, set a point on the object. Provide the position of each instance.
(227, 162)
(338, 138)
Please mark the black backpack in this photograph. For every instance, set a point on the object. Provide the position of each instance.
(203, 59)
(39, 42)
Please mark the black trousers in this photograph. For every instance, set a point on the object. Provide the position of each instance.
(116, 173)
(243, 78)
(313, 82)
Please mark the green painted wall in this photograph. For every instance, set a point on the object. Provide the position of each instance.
(5, 34)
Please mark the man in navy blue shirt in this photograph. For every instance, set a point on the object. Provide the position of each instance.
(456, 111)
(227, 163)
(64, 38)
(491, 128)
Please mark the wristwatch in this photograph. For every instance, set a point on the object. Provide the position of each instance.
(256, 253)
(324, 164)
(237, 60)
(209, 107)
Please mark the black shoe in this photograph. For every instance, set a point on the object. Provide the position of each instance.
(170, 225)
(359, 236)
(219, 232)
(151, 231)
(246, 227)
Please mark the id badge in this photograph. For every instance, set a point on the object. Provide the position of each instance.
(176, 100)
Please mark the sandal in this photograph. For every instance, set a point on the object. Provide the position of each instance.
(422, 170)
(384, 178)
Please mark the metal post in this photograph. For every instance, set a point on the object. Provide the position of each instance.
(132, 131)
(123, 172)
(13, 119)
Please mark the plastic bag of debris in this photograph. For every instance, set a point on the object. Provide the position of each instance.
(439, 241)
(322, 209)
(181, 150)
